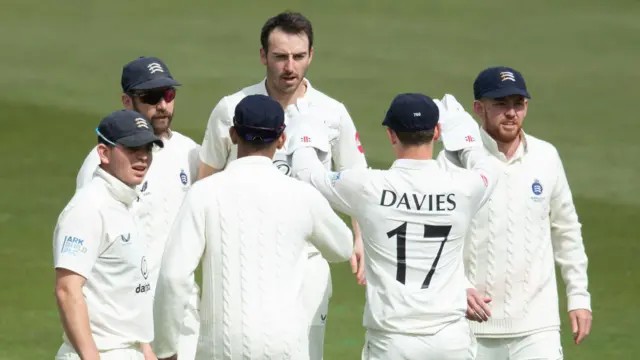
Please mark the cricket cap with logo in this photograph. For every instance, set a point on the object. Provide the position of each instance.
(498, 82)
(412, 112)
(127, 128)
(259, 119)
(145, 73)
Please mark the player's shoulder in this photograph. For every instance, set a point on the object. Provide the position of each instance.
(182, 140)
(89, 199)
(324, 100)
(539, 147)
(226, 106)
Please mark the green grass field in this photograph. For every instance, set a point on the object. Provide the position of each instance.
(60, 68)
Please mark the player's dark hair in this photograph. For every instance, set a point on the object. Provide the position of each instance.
(290, 23)
(256, 145)
(416, 138)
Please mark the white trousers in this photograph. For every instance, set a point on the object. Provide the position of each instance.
(67, 352)
(545, 345)
(454, 342)
(316, 292)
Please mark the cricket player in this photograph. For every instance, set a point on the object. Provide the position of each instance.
(250, 225)
(413, 219)
(286, 52)
(149, 88)
(103, 290)
(529, 221)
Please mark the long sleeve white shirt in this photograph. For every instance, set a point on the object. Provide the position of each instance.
(528, 222)
(250, 225)
(413, 219)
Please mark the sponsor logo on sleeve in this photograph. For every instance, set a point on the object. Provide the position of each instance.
(359, 144)
(73, 246)
(485, 180)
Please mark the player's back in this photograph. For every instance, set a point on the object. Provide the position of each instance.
(257, 230)
(413, 225)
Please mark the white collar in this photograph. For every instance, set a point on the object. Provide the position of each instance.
(302, 103)
(251, 160)
(492, 146)
(119, 190)
(413, 164)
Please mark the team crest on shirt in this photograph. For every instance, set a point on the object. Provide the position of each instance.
(183, 177)
(537, 190)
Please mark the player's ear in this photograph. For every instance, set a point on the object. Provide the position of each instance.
(393, 139)
(281, 141)
(263, 56)
(233, 134)
(436, 132)
(478, 108)
(310, 54)
(127, 101)
(103, 153)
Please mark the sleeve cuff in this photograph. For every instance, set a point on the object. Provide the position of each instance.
(576, 302)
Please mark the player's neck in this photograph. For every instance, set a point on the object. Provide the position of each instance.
(247, 151)
(421, 152)
(509, 148)
(164, 135)
(286, 99)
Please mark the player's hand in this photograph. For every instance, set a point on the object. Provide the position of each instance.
(357, 261)
(477, 308)
(580, 324)
(458, 128)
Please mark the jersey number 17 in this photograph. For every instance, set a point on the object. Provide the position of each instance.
(430, 232)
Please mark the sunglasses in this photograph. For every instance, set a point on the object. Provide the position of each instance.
(153, 97)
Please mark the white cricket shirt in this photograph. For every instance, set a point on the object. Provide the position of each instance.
(413, 218)
(97, 237)
(250, 225)
(172, 171)
(346, 150)
(528, 221)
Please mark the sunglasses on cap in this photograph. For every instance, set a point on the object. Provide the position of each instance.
(153, 97)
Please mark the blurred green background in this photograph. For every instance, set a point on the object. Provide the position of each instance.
(60, 66)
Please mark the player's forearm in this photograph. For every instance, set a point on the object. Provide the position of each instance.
(357, 235)
(570, 255)
(75, 321)
(308, 168)
(147, 351)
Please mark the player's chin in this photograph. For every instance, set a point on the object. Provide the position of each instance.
(290, 82)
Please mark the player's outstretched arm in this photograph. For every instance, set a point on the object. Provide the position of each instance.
(89, 165)
(330, 235)
(182, 254)
(570, 254)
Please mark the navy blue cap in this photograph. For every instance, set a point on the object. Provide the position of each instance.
(127, 128)
(498, 82)
(145, 73)
(259, 118)
(412, 112)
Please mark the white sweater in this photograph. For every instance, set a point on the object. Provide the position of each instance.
(529, 221)
(250, 225)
